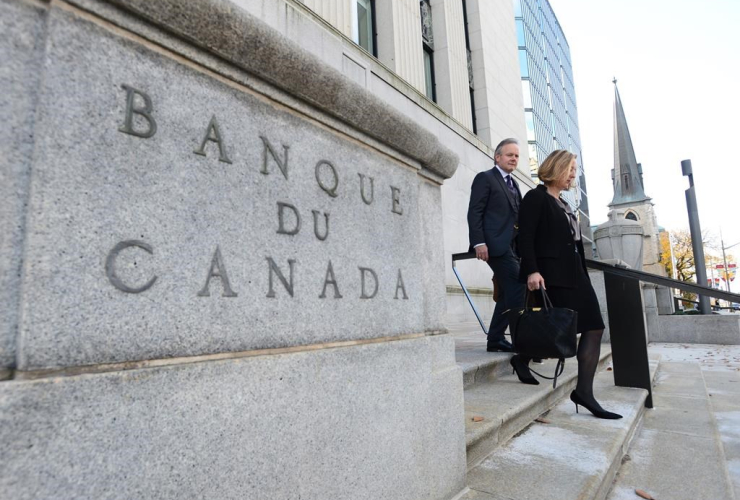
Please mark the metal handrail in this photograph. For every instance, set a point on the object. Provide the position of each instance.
(464, 256)
(642, 276)
(662, 280)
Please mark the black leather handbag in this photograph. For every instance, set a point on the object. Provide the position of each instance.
(545, 332)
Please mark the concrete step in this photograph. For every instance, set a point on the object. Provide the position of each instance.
(506, 406)
(678, 453)
(480, 366)
(566, 455)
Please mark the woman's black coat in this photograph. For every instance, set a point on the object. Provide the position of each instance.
(545, 242)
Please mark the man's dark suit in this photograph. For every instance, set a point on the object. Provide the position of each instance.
(492, 219)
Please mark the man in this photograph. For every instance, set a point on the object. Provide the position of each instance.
(492, 223)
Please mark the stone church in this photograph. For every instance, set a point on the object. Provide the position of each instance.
(629, 190)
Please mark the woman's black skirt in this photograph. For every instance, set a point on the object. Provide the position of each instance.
(581, 299)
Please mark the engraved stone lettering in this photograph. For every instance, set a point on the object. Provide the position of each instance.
(316, 217)
(213, 134)
(365, 198)
(281, 163)
(364, 294)
(330, 279)
(395, 195)
(400, 286)
(217, 270)
(274, 269)
(330, 190)
(281, 219)
(110, 269)
(145, 112)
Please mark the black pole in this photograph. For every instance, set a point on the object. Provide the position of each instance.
(696, 242)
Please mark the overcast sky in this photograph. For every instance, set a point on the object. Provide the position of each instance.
(676, 62)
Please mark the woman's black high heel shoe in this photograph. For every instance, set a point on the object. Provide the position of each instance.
(596, 413)
(522, 371)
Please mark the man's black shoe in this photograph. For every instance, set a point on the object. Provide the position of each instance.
(502, 345)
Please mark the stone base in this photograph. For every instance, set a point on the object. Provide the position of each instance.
(371, 421)
(689, 329)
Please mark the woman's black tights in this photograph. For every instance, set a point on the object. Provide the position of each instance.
(589, 350)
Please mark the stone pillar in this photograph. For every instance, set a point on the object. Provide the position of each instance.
(399, 40)
(451, 60)
(226, 291)
(651, 310)
(665, 300)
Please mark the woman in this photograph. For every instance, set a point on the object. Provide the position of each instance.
(552, 258)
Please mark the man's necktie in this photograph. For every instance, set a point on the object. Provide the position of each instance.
(510, 184)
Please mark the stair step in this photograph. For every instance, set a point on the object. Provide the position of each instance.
(507, 406)
(566, 456)
(480, 366)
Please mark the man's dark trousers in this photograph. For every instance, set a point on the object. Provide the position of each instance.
(511, 293)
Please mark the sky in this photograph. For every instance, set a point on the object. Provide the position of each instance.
(676, 63)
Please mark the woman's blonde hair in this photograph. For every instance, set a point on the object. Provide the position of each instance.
(556, 166)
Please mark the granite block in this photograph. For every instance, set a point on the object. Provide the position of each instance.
(374, 421)
(21, 47)
(709, 329)
(185, 240)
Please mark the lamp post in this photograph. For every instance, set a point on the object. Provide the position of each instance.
(696, 243)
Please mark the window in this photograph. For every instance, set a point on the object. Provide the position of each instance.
(427, 40)
(429, 73)
(523, 66)
(366, 25)
(520, 32)
(631, 216)
(527, 94)
(470, 67)
(529, 120)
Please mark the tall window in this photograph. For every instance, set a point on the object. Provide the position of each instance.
(366, 25)
(427, 38)
(470, 66)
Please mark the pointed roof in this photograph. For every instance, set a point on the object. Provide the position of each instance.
(627, 173)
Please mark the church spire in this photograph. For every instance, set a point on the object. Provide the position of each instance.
(627, 173)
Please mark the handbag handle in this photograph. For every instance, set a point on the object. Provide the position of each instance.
(545, 299)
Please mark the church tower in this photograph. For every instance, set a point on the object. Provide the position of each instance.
(629, 190)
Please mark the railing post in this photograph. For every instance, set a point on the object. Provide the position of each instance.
(628, 333)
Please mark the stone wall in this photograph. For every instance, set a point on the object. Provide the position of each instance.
(224, 266)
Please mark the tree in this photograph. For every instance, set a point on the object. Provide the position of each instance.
(683, 254)
(683, 257)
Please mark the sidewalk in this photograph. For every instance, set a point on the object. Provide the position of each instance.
(689, 444)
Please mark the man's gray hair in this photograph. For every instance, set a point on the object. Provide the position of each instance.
(503, 143)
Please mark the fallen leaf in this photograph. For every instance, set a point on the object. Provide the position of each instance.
(644, 494)
(477, 419)
(542, 420)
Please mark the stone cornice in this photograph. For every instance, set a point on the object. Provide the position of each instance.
(223, 29)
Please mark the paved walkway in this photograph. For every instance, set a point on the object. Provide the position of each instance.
(689, 444)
